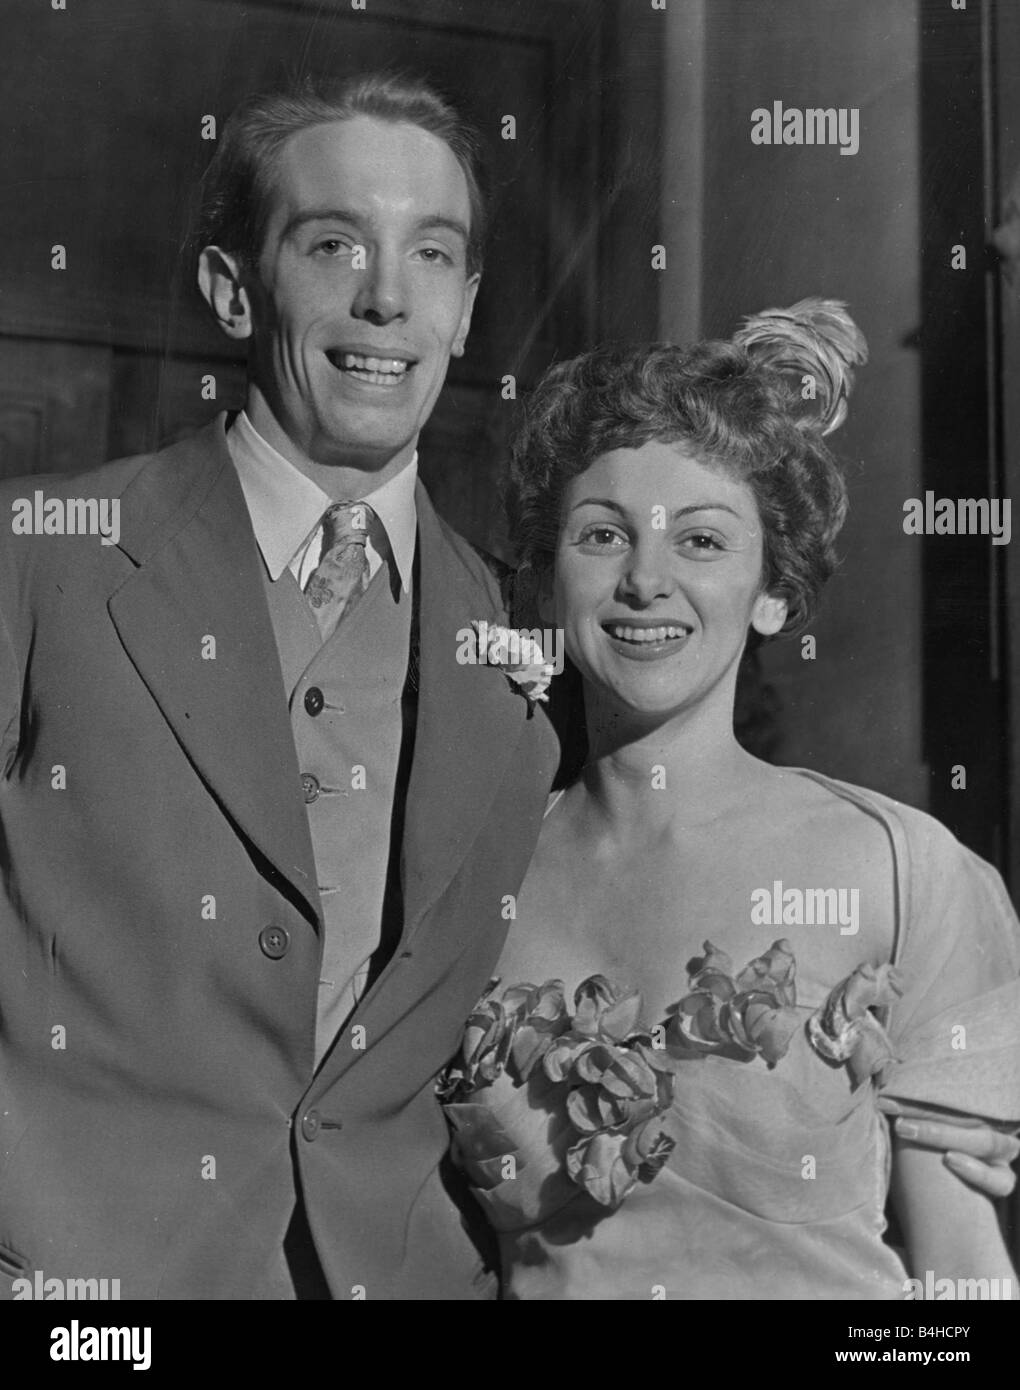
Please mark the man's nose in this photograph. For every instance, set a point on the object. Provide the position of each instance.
(381, 295)
(649, 572)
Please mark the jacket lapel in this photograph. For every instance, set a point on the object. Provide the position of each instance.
(195, 623)
(469, 722)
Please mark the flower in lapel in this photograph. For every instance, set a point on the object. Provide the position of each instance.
(518, 655)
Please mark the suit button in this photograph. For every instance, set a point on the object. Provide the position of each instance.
(311, 1123)
(313, 700)
(310, 786)
(274, 941)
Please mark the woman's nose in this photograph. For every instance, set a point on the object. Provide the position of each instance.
(649, 573)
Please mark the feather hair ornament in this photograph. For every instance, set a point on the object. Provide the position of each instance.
(816, 338)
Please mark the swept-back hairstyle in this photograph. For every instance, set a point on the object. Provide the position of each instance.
(739, 404)
(237, 185)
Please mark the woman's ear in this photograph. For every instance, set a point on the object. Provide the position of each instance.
(768, 614)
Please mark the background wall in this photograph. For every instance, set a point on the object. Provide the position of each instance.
(759, 226)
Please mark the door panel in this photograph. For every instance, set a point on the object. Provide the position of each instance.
(53, 406)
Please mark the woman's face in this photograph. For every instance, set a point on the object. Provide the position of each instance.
(658, 577)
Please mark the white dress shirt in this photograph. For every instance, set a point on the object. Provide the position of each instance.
(286, 509)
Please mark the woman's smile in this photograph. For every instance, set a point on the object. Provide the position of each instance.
(647, 639)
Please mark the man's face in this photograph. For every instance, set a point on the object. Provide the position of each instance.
(362, 293)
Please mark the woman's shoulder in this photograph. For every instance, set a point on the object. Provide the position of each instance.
(919, 833)
(946, 890)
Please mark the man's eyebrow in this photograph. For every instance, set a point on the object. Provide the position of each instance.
(301, 219)
(441, 221)
(424, 224)
(680, 511)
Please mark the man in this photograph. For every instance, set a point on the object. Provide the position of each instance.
(261, 830)
(224, 1002)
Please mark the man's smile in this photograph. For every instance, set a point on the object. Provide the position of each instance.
(372, 368)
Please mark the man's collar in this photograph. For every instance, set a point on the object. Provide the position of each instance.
(286, 506)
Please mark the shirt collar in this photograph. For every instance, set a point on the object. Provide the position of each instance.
(286, 507)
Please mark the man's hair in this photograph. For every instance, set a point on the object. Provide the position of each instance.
(717, 401)
(238, 184)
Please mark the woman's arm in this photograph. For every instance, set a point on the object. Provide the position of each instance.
(981, 1157)
(949, 1229)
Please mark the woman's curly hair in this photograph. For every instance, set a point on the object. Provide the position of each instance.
(728, 403)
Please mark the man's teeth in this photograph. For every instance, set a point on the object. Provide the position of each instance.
(645, 634)
(377, 366)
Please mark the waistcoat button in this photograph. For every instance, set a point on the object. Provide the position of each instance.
(274, 941)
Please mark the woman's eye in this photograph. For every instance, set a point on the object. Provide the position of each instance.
(601, 535)
(703, 540)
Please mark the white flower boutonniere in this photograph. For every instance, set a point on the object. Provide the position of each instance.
(518, 654)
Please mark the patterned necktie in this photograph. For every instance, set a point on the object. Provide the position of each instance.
(341, 576)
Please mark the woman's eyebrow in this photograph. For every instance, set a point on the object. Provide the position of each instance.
(680, 511)
(705, 507)
(599, 502)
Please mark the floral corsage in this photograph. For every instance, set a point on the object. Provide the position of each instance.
(609, 1079)
(518, 655)
(581, 1099)
(755, 1013)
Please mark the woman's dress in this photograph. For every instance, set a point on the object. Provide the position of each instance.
(737, 1148)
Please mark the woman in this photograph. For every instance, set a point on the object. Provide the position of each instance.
(729, 965)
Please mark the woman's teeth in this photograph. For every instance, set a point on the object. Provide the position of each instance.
(644, 634)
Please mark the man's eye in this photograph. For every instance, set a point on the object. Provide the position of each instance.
(435, 256)
(332, 246)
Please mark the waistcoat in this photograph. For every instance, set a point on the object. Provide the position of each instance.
(344, 697)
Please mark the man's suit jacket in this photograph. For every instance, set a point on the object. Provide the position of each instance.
(158, 1109)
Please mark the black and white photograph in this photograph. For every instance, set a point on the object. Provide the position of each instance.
(509, 662)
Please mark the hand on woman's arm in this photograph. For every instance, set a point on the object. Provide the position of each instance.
(949, 1228)
(981, 1157)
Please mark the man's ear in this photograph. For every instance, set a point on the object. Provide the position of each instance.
(470, 291)
(219, 279)
(768, 614)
